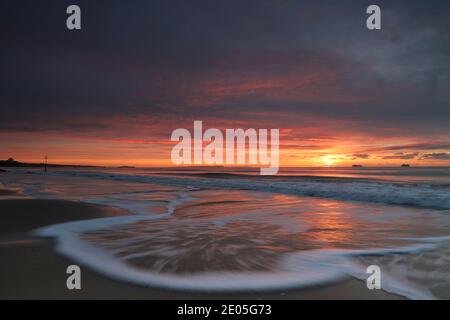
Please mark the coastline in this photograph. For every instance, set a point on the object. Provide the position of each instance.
(31, 270)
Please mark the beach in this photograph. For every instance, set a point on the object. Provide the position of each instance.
(148, 236)
(225, 150)
(31, 270)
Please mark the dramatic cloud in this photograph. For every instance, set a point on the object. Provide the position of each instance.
(436, 156)
(361, 156)
(402, 155)
(418, 146)
(138, 70)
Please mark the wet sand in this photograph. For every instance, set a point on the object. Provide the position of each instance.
(31, 270)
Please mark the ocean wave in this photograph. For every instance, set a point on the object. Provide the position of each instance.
(296, 270)
(280, 246)
(417, 195)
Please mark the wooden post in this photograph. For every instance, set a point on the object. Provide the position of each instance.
(45, 164)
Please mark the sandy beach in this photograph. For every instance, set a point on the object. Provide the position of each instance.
(31, 270)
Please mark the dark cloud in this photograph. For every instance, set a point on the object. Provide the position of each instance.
(360, 156)
(223, 59)
(421, 146)
(436, 156)
(401, 155)
(431, 145)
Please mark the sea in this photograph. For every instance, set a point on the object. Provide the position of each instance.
(217, 229)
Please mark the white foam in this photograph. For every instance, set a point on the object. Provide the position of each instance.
(69, 244)
(301, 269)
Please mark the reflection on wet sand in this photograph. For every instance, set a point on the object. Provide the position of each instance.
(250, 231)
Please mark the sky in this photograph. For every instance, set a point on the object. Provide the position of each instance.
(113, 92)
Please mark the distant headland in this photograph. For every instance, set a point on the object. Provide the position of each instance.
(12, 163)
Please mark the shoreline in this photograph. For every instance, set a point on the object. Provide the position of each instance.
(32, 270)
(45, 278)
